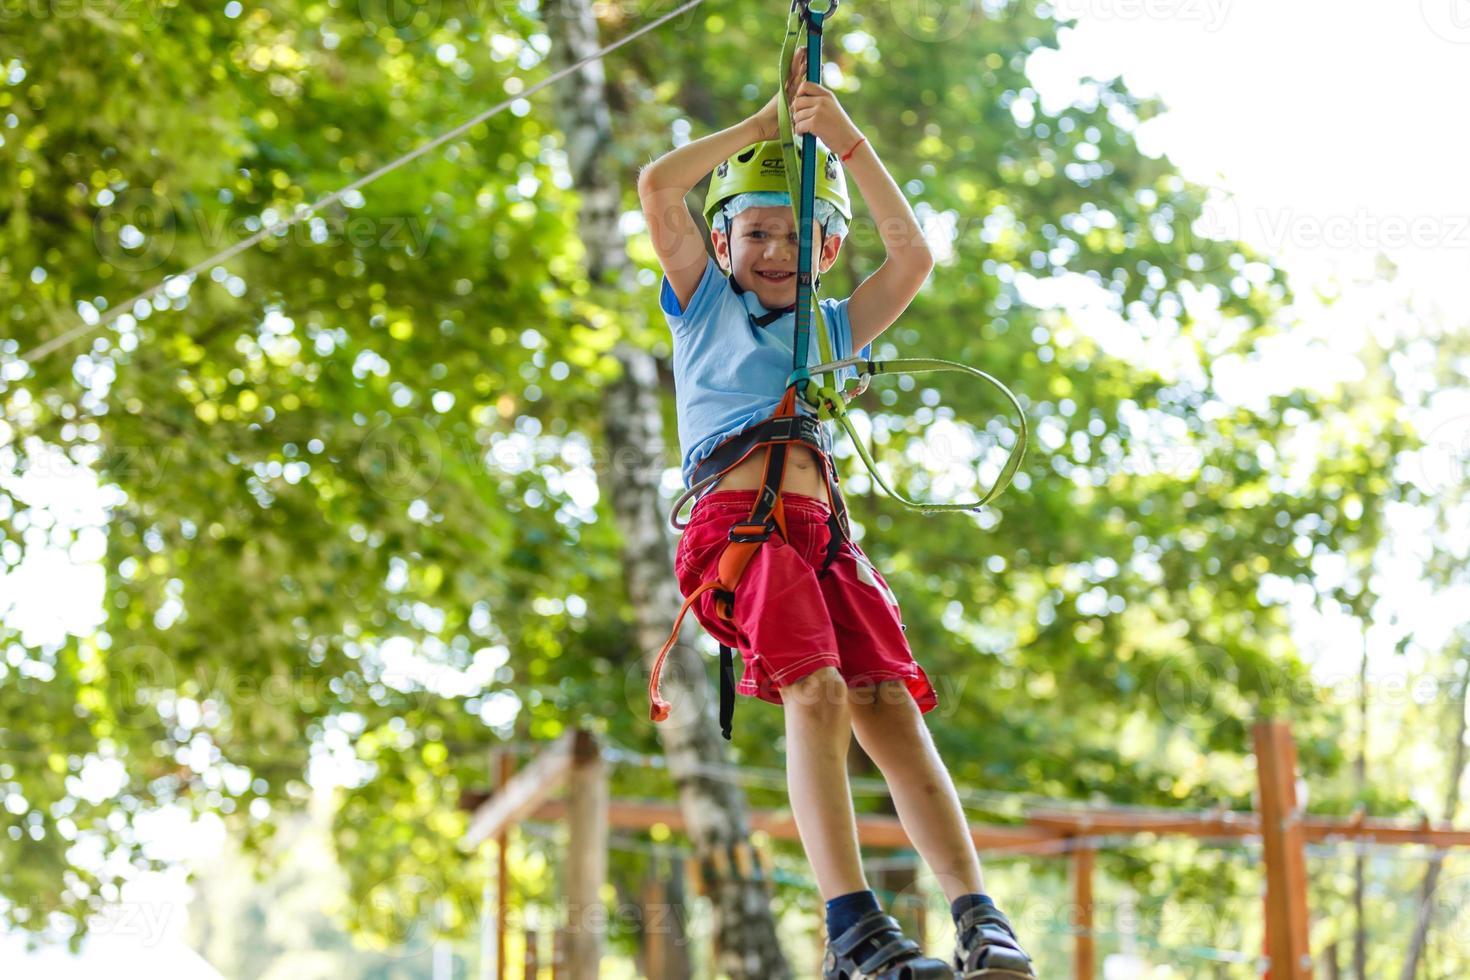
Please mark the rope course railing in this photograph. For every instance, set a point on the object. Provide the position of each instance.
(1276, 835)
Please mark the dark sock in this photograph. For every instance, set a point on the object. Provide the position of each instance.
(844, 910)
(959, 906)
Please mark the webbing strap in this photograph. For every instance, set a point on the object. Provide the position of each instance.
(810, 384)
(732, 564)
(659, 708)
(834, 406)
(733, 450)
(801, 182)
(777, 428)
(727, 690)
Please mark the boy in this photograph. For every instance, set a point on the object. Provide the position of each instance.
(826, 643)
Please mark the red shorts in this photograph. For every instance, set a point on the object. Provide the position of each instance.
(789, 620)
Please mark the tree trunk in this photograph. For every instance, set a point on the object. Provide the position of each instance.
(1451, 804)
(715, 810)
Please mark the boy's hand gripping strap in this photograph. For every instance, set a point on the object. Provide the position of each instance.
(829, 400)
(801, 183)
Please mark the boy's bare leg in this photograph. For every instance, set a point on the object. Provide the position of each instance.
(818, 731)
(891, 729)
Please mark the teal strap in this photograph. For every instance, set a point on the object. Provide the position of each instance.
(829, 402)
(801, 183)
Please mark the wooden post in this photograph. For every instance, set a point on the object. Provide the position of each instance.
(487, 964)
(1283, 842)
(522, 796)
(1268, 938)
(504, 767)
(1296, 856)
(695, 876)
(559, 954)
(531, 967)
(655, 929)
(744, 860)
(586, 859)
(1329, 963)
(1084, 946)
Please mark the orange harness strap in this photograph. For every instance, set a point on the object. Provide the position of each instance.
(733, 561)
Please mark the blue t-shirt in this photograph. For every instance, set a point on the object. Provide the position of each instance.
(729, 373)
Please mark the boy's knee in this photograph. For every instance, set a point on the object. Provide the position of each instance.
(824, 688)
(885, 695)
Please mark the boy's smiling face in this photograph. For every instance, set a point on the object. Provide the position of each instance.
(765, 250)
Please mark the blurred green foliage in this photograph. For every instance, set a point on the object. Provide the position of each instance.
(370, 440)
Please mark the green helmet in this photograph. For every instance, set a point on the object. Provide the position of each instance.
(762, 167)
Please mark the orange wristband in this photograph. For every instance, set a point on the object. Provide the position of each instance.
(854, 149)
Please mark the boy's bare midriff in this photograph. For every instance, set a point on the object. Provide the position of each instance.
(803, 473)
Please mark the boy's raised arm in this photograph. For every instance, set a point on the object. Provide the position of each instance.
(879, 299)
(663, 184)
(661, 188)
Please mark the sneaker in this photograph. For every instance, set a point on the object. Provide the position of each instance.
(986, 947)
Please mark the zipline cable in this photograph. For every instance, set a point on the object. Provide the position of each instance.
(118, 310)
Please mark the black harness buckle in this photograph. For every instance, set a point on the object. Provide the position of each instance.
(742, 531)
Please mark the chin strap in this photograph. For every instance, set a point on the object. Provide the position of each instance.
(765, 319)
(770, 316)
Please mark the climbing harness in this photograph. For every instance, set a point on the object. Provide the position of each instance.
(786, 425)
